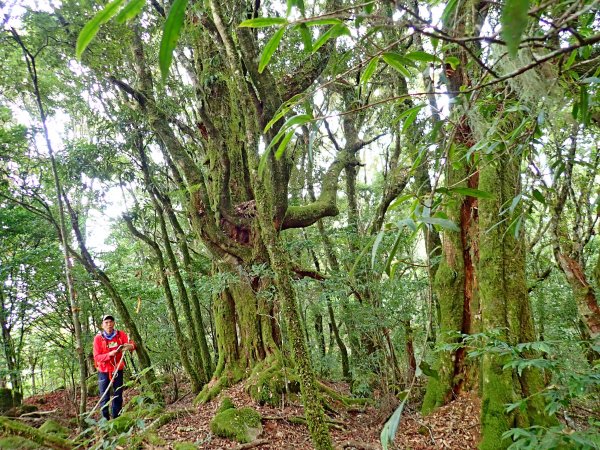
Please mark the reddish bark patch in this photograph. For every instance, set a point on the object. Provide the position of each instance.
(469, 240)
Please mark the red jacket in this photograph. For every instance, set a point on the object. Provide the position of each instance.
(103, 346)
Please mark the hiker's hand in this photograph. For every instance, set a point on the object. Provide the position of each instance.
(128, 347)
(112, 353)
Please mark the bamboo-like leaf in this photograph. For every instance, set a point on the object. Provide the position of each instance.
(131, 9)
(378, 240)
(399, 201)
(407, 112)
(261, 22)
(306, 36)
(448, 11)
(91, 28)
(369, 70)
(410, 118)
(282, 111)
(473, 192)
(514, 203)
(270, 48)
(283, 144)
(396, 61)
(444, 223)
(388, 432)
(539, 196)
(514, 21)
(422, 57)
(317, 22)
(171, 32)
(300, 119)
(334, 32)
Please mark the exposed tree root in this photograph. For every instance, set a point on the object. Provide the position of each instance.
(33, 434)
(343, 399)
(253, 444)
(356, 445)
(165, 418)
(221, 380)
(333, 423)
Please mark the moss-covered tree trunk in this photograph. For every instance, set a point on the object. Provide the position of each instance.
(455, 282)
(505, 305)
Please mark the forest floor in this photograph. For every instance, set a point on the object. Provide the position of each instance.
(455, 426)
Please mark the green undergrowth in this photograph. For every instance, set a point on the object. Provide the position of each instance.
(17, 443)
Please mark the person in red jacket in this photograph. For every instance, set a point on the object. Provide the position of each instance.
(109, 346)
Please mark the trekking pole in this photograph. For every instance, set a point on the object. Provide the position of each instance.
(109, 385)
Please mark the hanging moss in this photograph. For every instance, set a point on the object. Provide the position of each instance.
(243, 425)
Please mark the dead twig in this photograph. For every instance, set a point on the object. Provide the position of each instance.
(357, 445)
(253, 444)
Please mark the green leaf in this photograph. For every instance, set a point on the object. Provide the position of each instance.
(91, 28)
(261, 22)
(270, 49)
(283, 110)
(448, 10)
(397, 62)
(399, 201)
(132, 9)
(514, 22)
(539, 196)
(410, 118)
(453, 61)
(422, 57)
(283, 144)
(584, 110)
(305, 35)
(570, 60)
(334, 32)
(316, 22)
(473, 192)
(369, 70)
(171, 32)
(388, 432)
(444, 223)
(408, 112)
(375, 247)
(300, 119)
(514, 203)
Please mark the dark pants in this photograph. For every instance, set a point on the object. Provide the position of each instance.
(117, 393)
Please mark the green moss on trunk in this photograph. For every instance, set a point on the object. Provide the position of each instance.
(505, 306)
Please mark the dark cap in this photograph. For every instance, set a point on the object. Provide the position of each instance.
(108, 317)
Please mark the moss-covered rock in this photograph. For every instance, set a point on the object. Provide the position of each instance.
(185, 446)
(226, 404)
(17, 443)
(53, 427)
(243, 425)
